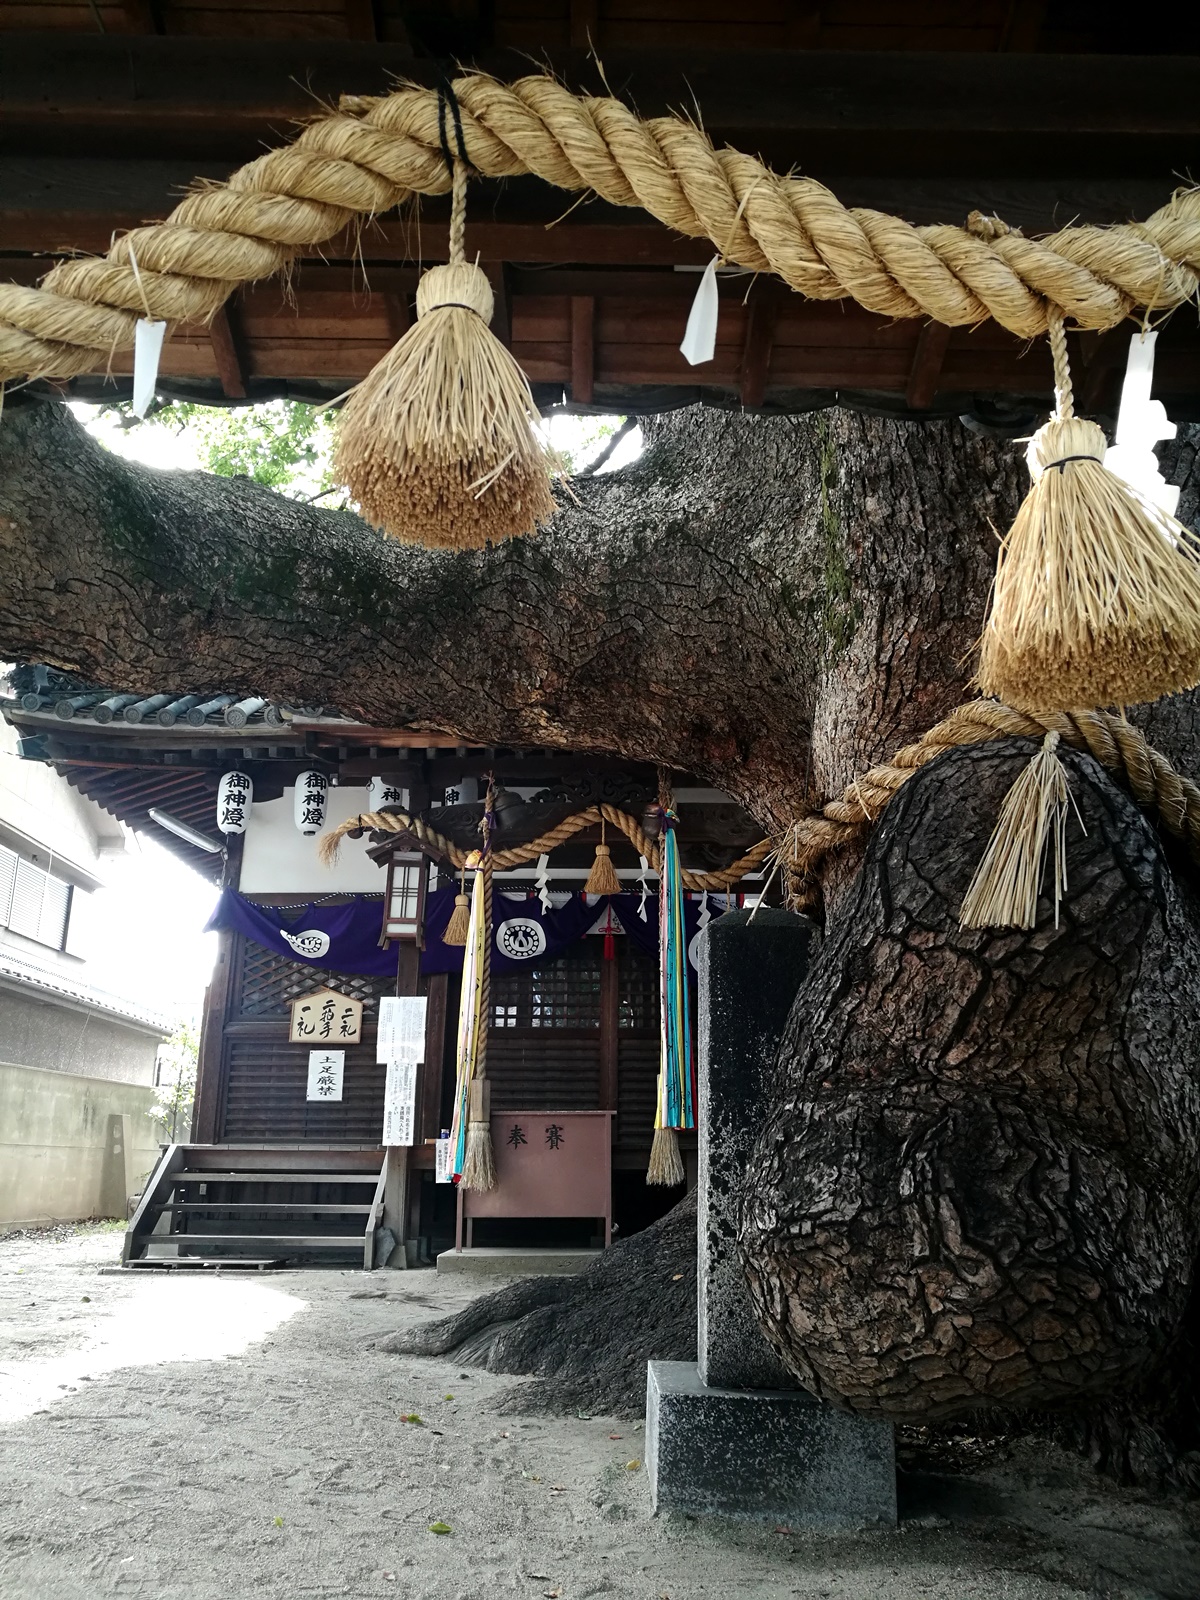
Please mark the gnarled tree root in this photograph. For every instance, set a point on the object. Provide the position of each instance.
(586, 1337)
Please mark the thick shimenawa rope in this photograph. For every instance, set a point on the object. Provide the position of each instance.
(1115, 743)
(374, 153)
(401, 822)
(1118, 746)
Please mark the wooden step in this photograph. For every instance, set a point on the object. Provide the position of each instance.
(175, 1263)
(276, 1177)
(305, 1241)
(304, 1207)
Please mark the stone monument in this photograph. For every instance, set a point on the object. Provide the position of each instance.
(735, 1435)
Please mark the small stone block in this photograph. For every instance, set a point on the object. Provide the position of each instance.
(762, 1453)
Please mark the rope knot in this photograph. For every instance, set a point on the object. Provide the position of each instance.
(988, 228)
(457, 283)
(1062, 440)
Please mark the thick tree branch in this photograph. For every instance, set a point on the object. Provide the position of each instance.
(748, 584)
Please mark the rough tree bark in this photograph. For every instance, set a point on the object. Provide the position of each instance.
(770, 604)
(979, 1179)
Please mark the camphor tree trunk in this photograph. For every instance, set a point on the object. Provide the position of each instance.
(977, 1182)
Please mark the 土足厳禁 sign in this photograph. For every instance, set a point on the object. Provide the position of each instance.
(325, 1071)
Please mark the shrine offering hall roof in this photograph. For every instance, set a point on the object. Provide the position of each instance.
(1042, 114)
(168, 750)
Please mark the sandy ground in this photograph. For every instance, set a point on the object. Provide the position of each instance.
(235, 1436)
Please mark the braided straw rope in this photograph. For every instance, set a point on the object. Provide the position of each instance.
(1118, 746)
(1115, 743)
(400, 822)
(374, 153)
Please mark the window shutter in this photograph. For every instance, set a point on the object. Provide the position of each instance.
(39, 904)
(26, 914)
(8, 873)
(56, 903)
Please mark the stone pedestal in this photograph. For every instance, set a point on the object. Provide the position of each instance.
(736, 1436)
(749, 974)
(764, 1453)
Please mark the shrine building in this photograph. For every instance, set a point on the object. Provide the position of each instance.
(285, 1162)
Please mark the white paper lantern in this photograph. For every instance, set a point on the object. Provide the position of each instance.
(312, 795)
(235, 795)
(464, 792)
(383, 792)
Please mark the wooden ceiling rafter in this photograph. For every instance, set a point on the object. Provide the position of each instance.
(590, 303)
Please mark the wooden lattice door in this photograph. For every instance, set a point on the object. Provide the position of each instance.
(264, 1077)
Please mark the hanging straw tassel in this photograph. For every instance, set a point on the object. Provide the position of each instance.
(666, 1164)
(602, 879)
(437, 444)
(1004, 891)
(459, 924)
(479, 1163)
(1097, 593)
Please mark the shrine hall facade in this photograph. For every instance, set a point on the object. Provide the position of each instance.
(286, 1158)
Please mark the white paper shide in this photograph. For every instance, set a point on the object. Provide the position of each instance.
(700, 339)
(1141, 424)
(147, 351)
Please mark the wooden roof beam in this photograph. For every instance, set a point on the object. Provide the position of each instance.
(143, 16)
(361, 21)
(932, 343)
(225, 336)
(763, 312)
(252, 88)
(585, 24)
(583, 348)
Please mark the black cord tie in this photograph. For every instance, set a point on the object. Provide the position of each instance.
(447, 97)
(1062, 461)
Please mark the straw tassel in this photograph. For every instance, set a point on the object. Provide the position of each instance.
(459, 924)
(479, 1163)
(602, 879)
(666, 1164)
(1097, 593)
(437, 444)
(1004, 891)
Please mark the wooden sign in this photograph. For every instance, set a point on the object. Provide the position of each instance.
(325, 1070)
(326, 1018)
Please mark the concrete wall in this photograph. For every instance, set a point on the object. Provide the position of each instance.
(40, 1032)
(70, 1147)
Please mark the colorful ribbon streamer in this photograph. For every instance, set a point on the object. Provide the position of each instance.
(676, 1087)
(470, 1025)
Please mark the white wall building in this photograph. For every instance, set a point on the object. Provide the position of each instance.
(76, 1062)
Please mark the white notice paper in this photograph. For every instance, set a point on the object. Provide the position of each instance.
(399, 1102)
(441, 1161)
(401, 1035)
(325, 1068)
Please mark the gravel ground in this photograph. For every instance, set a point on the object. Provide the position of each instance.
(236, 1436)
